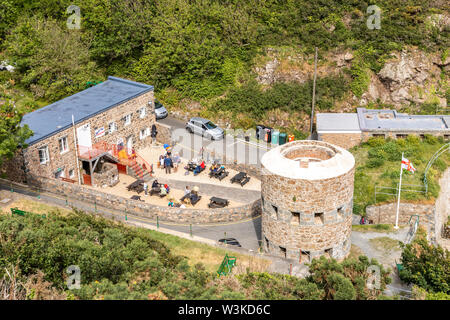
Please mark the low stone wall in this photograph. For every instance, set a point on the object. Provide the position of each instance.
(164, 133)
(168, 214)
(385, 214)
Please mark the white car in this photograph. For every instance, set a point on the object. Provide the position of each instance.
(205, 128)
(160, 110)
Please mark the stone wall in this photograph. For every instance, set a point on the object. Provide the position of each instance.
(343, 140)
(14, 169)
(168, 214)
(386, 213)
(164, 133)
(107, 175)
(311, 216)
(349, 140)
(67, 160)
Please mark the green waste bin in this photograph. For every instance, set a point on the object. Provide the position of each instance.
(275, 135)
(282, 138)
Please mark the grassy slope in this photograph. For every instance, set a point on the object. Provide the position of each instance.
(387, 174)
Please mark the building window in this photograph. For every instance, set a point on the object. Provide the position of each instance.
(401, 136)
(275, 209)
(63, 145)
(71, 173)
(142, 112)
(340, 212)
(43, 155)
(127, 119)
(446, 136)
(112, 127)
(283, 252)
(318, 218)
(295, 219)
(143, 133)
(379, 135)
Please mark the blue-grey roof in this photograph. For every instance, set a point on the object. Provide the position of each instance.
(391, 120)
(57, 116)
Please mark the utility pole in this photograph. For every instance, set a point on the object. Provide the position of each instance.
(314, 93)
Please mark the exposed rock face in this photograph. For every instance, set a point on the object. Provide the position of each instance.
(404, 73)
(410, 76)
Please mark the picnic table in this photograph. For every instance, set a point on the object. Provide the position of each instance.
(220, 173)
(241, 178)
(192, 197)
(216, 202)
(137, 186)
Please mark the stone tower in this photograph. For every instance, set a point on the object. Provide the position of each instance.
(307, 200)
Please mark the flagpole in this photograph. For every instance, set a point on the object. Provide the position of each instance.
(398, 197)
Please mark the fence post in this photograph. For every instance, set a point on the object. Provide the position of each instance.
(225, 238)
(290, 269)
(126, 218)
(39, 194)
(190, 229)
(12, 190)
(95, 203)
(67, 202)
(157, 222)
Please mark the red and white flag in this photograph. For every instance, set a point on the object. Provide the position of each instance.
(406, 164)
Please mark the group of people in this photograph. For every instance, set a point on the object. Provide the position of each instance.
(167, 161)
(158, 188)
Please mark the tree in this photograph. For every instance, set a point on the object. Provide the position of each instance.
(12, 134)
(53, 60)
(426, 266)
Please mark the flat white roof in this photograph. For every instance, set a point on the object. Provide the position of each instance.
(275, 161)
(327, 122)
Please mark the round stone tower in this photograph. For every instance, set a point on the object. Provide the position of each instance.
(307, 200)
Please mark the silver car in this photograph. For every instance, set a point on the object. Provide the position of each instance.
(160, 110)
(205, 128)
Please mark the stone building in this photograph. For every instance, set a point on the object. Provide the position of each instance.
(350, 129)
(75, 136)
(307, 200)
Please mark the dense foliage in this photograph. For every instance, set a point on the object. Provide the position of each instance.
(12, 135)
(378, 164)
(426, 266)
(203, 48)
(119, 262)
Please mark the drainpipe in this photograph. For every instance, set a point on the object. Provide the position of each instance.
(76, 151)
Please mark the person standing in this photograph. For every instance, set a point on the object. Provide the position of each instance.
(146, 188)
(168, 164)
(154, 133)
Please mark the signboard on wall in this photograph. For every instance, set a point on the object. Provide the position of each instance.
(100, 132)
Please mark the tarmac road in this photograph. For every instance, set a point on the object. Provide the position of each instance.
(233, 148)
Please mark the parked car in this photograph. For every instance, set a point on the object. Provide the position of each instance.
(160, 110)
(205, 128)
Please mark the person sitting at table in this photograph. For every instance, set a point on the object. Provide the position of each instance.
(199, 168)
(170, 204)
(163, 192)
(155, 184)
(166, 186)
